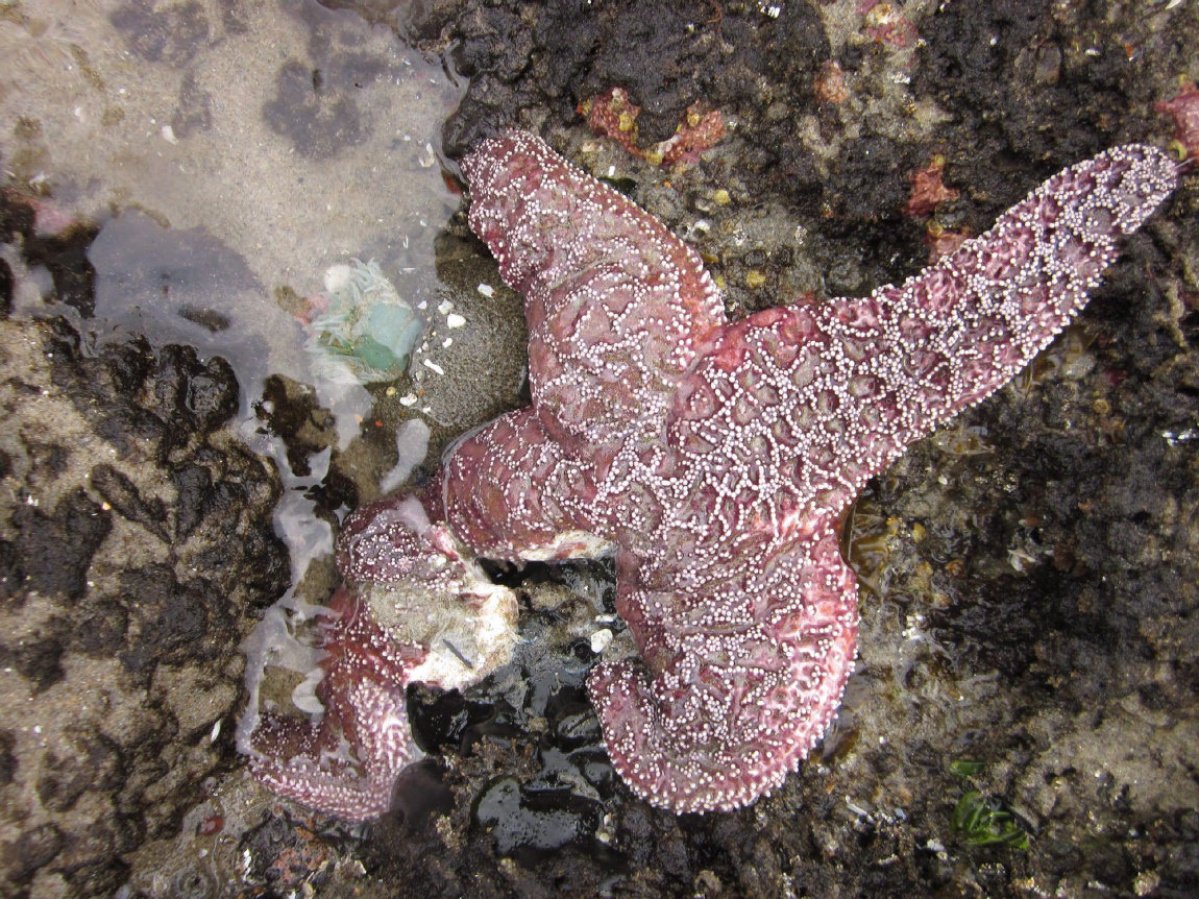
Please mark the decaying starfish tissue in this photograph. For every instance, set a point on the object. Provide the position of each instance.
(713, 460)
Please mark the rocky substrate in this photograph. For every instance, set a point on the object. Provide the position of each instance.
(135, 544)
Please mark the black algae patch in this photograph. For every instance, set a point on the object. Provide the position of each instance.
(1005, 71)
(318, 118)
(65, 256)
(121, 633)
(173, 33)
(54, 549)
(123, 495)
(6, 289)
(421, 793)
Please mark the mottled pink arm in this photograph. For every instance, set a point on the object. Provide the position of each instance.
(744, 613)
(733, 687)
(798, 406)
(970, 322)
(346, 762)
(617, 306)
(511, 493)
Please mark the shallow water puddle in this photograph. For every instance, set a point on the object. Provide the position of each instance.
(232, 158)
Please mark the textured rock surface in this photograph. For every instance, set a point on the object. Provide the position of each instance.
(135, 539)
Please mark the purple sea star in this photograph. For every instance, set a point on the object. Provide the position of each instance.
(414, 608)
(714, 460)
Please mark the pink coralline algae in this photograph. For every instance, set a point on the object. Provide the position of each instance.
(614, 115)
(714, 460)
(1184, 109)
(928, 189)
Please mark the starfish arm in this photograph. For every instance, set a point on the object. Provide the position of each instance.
(416, 589)
(617, 306)
(785, 420)
(510, 492)
(961, 329)
(428, 617)
(415, 608)
(351, 778)
(736, 686)
(345, 762)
